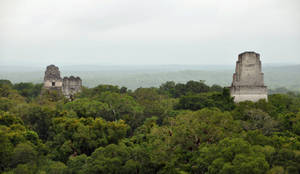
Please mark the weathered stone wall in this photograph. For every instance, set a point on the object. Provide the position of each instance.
(52, 79)
(252, 97)
(52, 73)
(248, 79)
(248, 70)
(49, 84)
(71, 85)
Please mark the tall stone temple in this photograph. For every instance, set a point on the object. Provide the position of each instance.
(248, 79)
(68, 85)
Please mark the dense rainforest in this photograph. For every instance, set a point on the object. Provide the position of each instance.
(175, 128)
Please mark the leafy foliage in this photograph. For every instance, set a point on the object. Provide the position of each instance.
(176, 128)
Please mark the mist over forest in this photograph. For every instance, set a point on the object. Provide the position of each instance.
(132, 77)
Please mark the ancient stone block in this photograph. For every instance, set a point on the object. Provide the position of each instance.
(248, 79)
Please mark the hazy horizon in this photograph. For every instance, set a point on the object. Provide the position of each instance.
(112, 66)
(134, 77)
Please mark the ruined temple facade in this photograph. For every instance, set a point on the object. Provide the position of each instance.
(248, 79)
(71, 85)
(68, 85)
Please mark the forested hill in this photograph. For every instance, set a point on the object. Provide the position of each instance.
(177, 128)
(152, 76)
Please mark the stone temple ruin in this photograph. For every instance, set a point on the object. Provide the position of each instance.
(68, 85)
(248, 79)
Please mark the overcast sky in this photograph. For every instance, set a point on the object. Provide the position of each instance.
(132, 32)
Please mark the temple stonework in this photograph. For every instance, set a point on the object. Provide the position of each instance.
(68, 85)
(71, 85)
(248, 79)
